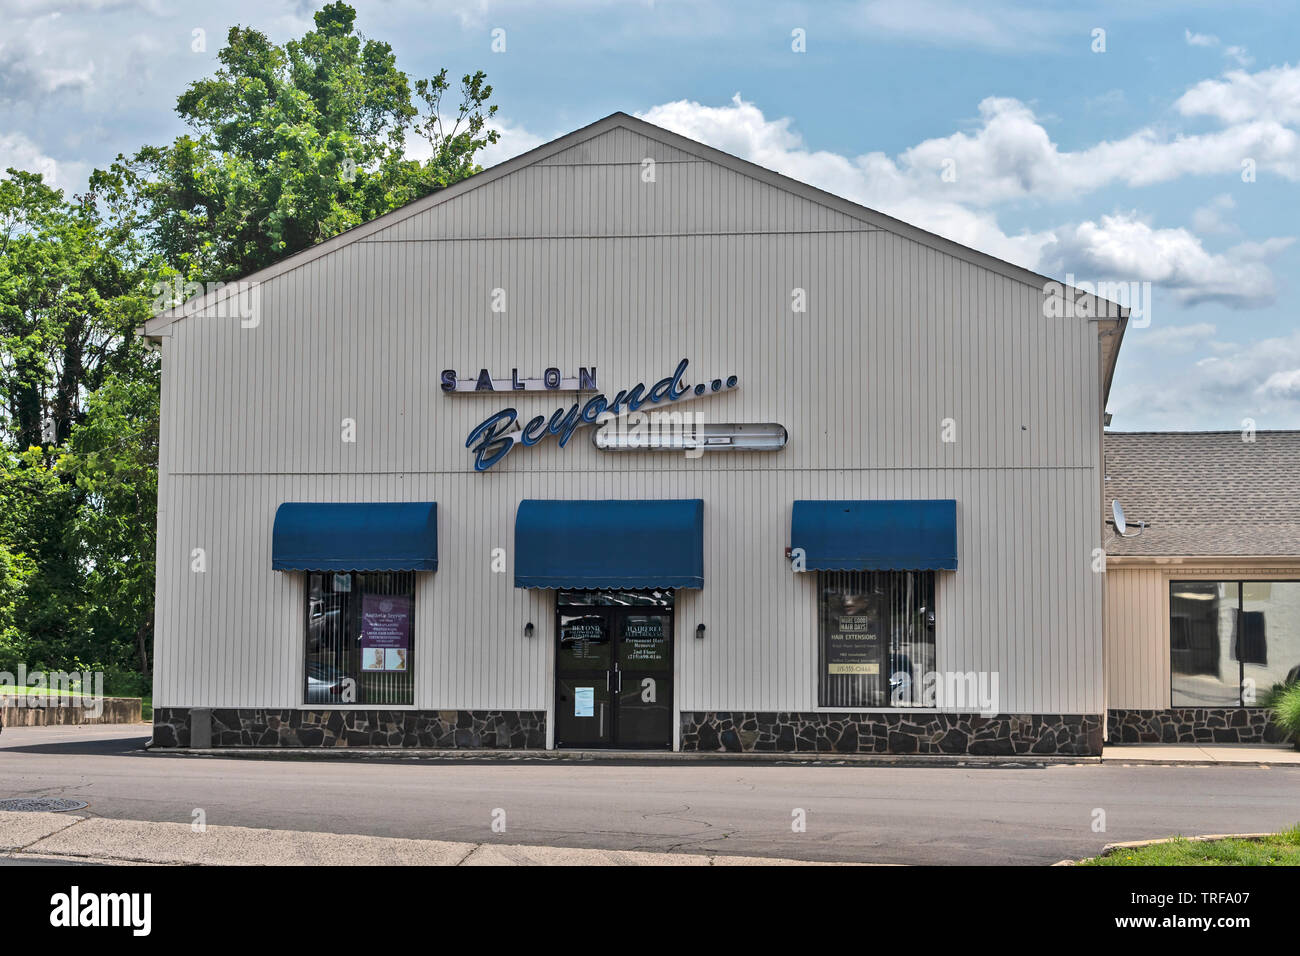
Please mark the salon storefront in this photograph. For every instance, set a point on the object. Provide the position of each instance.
(627, 443)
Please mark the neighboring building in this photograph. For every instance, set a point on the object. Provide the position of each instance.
(866, 522)
(1203, 605)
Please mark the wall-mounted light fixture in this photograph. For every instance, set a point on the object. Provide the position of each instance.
(528, 629)
(699, 632)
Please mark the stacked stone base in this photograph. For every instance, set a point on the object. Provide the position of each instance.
(901, 732)
(427, 729)
(1193, 725)
(1001, 735)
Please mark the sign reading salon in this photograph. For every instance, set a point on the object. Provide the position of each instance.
(492, 439)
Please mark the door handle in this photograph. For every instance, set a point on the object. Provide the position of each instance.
(620, 681)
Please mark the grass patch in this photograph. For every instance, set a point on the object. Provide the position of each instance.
(1280, 849)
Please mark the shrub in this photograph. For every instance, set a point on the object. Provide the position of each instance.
(1286, 711)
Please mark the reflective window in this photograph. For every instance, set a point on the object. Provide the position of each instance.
(1270, 633)
(1230, 642)
(876, 637)
(359, 637)
(1202, 662)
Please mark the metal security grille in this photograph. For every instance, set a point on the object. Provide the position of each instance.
(360, 637)
(876, 638)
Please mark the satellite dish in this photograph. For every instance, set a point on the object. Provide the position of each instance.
(1121, 524)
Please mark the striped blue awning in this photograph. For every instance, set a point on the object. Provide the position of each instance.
(610, 544)
(355, 536)
(876, 535)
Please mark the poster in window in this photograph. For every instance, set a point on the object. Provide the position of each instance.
(853, 644)
(645, 642)
(385, 631)
(584, 702)
(584, 640)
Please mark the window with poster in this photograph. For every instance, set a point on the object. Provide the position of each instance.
(359, 637)
(876, 638)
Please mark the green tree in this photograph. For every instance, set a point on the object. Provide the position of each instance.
(70, 298)
(112, 459)
(293, 144)
(42, 590)
(289, 145)
(72, 292)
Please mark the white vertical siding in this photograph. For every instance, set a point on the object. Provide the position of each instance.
(602, 269)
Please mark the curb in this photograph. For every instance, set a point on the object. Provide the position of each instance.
(626, 757)
(1110, 848)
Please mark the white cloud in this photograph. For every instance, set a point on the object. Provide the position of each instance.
(1004, 27)
(1282, 385)
(1259, 380)
(1239, 54)
(1210, 219)
(19, 152)
(1266, 372)
(1123, 246)
(1271, 95)
(1171, 338)
(36, 58)
(514, 140)
(1010, 157)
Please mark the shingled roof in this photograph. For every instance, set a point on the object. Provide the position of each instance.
(1204, 494)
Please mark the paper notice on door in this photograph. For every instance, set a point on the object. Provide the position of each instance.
(584, 702)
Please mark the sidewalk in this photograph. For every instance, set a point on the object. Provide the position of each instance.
(63, 838)
(621, 756)
(1201, 754)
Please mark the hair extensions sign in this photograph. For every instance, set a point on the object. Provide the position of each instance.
(493, 438)
(853, 645)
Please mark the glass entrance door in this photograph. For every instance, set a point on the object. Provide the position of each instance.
(614, 670)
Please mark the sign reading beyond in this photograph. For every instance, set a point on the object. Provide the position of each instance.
(490, 442)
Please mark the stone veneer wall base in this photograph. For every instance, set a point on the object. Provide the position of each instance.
(427, 729)
(1193, 725)
(898, 732)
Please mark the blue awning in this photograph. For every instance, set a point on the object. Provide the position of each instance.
(610, 544)
(876, 535)
(355, 536)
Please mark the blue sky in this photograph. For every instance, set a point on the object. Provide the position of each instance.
(1123, 164)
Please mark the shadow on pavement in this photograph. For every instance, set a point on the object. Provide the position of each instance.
(131, 741)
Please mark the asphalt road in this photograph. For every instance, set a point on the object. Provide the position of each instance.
(876, 814)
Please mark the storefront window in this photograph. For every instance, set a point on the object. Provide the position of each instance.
(359, 646)
(1270, 634)
(876, 637)
(1231, 641)
(1202, 661)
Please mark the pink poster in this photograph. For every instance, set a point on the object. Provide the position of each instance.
(385, 631)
